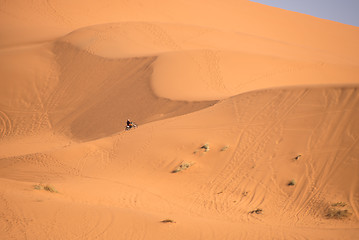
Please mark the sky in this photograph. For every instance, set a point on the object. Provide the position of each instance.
(344, 11)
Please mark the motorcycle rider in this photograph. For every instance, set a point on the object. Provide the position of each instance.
(129, 123)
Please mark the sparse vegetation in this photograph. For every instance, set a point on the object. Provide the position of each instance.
(292, 182)
(182, 167)
(168, 221)
(48, 188)
(339, 204)
(297, 157)
(256, 211)
(244, 194)
(205, 147)
(224, 148)
(338, 213)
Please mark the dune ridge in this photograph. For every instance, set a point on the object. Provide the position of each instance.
(247, 121)
(215, 64)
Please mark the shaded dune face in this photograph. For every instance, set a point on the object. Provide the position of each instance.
(92, 90)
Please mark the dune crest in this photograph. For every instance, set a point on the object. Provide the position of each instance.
(214, 64)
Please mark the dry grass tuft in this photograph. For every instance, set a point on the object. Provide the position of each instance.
(224, 148)
(48, 188)
(336, 213)
(182, 167)
(339, 204)
(256, 211)
(205, 147)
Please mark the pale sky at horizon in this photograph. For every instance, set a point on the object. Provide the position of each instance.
(344, 11)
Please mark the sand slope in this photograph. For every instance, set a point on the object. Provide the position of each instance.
(126, 181)
(261, 86)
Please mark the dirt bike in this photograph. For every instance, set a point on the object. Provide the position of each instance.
(134, 125)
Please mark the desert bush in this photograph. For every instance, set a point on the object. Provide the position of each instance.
(257, 211)
(337, 213)
(182, 167)
(205, 147)
(48, 188)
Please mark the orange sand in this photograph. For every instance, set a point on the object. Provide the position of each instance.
(259, 85)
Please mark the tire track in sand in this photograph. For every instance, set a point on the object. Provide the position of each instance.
(209, 200)
(14, 224)
(298, 195)
(227, 177)
(343, 99)
(354, 187)
(307, 198)
(282, 114)
(213, 63)
(5, 125)
(104, 220)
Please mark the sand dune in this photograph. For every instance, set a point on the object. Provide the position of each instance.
(129, 174)
(247, 121)
(214, 64)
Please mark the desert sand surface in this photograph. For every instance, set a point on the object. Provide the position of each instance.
(247, 121)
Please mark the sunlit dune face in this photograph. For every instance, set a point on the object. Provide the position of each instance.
(243, 121)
